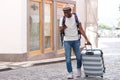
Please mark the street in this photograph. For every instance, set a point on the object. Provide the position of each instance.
(57, 71)
(109, 45)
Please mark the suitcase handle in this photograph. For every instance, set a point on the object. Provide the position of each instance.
(89, 51)
(87, 48)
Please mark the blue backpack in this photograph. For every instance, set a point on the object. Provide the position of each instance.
(62, 34)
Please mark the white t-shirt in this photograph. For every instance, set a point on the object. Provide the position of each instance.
(71, 32)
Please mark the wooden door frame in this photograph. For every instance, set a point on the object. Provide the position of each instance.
(53, 24)
(36, 52)
(47, 50)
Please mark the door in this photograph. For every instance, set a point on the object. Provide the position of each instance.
(35, 27)
(48, 26)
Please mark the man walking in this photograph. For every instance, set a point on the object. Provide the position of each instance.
(70, 26)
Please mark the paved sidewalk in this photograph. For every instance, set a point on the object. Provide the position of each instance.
(15, 65)
(57, 71)
(111, 49)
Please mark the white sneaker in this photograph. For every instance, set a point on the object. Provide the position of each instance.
(78, 72)
(70, 75)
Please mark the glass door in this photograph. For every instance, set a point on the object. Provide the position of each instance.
(35, 25)
(48, 27)
(59, 15)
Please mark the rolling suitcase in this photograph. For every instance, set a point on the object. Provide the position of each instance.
(93, 62)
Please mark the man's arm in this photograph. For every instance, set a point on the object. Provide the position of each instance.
(62, 28)
(83, 34)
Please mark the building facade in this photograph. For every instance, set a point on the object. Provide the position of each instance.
(29, 28)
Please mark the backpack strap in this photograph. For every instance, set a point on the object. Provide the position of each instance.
(62, 34)
(76, 19)
(63, 21)
(77, 22)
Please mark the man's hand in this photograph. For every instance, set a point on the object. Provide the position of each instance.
(88, 43)
(63, 28)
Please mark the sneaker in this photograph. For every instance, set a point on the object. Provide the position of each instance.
(70, 75)
(78, 72)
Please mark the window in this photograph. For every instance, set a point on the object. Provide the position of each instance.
(35, 27)
(59, 15)
(48, 26)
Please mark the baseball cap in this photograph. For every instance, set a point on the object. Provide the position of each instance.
(66, 7)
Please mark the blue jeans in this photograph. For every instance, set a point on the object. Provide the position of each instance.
(68, 46)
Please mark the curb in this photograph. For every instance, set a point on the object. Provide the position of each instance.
(5, 69)
(17, 65)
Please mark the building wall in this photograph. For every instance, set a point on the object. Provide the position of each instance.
(13, 26)
(81, 11)
(13, 30)
(87, 10)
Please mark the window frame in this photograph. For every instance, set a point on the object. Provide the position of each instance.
(46, 50)
(36, 52)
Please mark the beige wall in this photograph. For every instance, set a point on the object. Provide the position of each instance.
(87, 12)
(80, 9)
(91, 21)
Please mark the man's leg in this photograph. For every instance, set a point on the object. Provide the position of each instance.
(76, 48)
(67, 48)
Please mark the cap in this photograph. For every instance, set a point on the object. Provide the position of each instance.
(66, 7)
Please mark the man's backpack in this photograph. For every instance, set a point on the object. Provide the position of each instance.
(62, 34)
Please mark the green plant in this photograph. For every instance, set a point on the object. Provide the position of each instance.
(119, 24)
(103, 26)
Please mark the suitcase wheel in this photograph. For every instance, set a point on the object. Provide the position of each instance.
(86, 75)
(104, 70)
